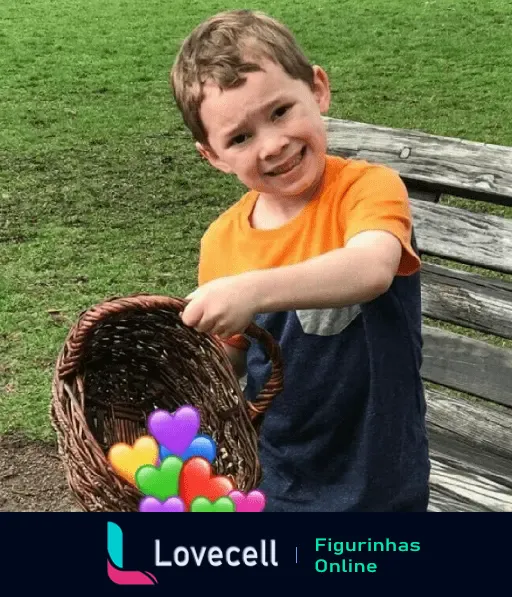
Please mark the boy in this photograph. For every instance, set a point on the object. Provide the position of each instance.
(319, 252)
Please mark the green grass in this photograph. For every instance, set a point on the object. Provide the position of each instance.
(101, 191)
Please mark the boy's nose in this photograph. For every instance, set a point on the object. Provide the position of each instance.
(272, 146)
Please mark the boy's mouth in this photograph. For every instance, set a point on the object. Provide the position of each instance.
(288, 165)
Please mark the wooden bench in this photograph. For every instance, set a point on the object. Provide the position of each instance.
(467, 369)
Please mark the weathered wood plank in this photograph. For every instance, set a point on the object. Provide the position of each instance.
(471, 455)
(443, 500)
(467, 365)
(467, 299)
(472, 238)
(443, 164)
(489, 428)
(470, 490)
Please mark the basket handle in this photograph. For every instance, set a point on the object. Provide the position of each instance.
(79, 334)
(274, 385)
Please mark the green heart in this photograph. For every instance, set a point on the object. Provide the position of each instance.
(202, 504)
(160, 482)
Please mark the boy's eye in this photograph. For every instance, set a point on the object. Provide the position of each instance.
(281, 111)
(238, 139)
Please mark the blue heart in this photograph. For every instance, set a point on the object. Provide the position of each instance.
(201, 445)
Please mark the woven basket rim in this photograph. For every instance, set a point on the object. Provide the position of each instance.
(71, 353)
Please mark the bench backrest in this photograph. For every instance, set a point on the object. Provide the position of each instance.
(478, 300)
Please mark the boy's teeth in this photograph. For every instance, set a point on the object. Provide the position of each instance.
(288, 165)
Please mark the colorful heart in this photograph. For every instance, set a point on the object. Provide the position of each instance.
(197, 480)
(174, 431)
(202, 445)
(160, 482)
(151, 504)
(126, 459)
(201, 504)
(254, 501)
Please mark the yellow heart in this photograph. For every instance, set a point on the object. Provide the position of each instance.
(126, 459)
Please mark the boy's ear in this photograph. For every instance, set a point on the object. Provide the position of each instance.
(208, 154)
(321, 88)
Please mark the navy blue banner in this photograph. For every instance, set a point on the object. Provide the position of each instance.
(405, 553)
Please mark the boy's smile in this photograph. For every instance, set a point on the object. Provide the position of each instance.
(269, 131)
(288, 165)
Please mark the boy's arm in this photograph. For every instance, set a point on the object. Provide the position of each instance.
(377, 248)
(358, 273)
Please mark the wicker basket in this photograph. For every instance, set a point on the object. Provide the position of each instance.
(127, 356)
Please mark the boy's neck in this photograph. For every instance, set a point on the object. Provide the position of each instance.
(267, 215)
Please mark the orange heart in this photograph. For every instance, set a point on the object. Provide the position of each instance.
(126, 459)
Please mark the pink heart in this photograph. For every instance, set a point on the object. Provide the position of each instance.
(254, 501)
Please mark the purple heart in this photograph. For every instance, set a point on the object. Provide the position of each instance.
(151, 504)
(174, 431)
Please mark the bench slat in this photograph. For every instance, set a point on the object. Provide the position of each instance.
(443, 500)
(488, 427)
(457, 234)
(467, 365)
(444, 164)
(474, 489)
(471, 453)
(466, 299)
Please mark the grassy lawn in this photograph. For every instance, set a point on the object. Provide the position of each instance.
(101, 191)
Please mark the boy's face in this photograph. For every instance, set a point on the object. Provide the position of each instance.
(269, 131)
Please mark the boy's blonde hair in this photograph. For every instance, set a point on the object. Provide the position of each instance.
(225, 47)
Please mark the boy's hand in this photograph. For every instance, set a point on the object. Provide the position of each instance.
(223, 307)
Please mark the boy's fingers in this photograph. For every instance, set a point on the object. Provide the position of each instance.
(192, 314)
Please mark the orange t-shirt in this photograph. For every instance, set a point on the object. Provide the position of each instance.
(354, 196)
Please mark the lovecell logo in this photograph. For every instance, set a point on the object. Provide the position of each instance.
(115, 570)
(264, 554)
